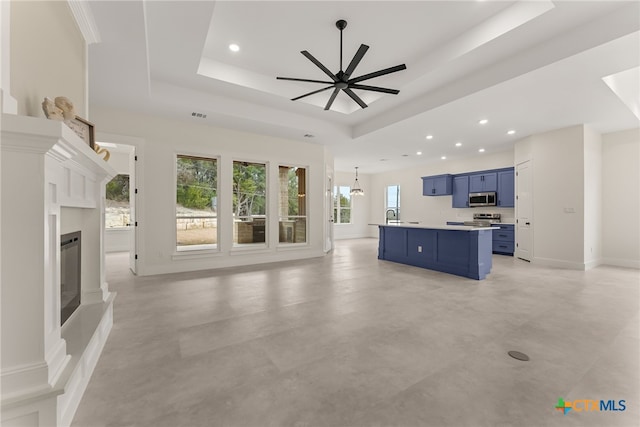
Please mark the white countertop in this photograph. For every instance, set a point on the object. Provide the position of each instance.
(438, 227)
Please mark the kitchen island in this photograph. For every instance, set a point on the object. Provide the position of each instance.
(455, 249)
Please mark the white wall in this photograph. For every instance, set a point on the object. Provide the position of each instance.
(164, 138)
(48, 56)
(592, 198)
(431, 209)
(586, 197)
(359, 207)
(558, 188)
(621, 198)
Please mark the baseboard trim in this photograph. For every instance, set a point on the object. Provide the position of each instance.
(592, 264)
(558, 263)
(239, 259)
(618, 262)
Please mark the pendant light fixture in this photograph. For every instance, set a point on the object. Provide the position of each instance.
(356, 190)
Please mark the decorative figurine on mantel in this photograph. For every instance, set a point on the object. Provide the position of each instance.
(65, 104)
(51, 111)
(102, 152)
(62, 109)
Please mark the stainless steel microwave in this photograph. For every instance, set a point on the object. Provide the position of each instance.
(482, 199)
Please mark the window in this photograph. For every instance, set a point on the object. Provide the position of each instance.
(342, 205)
(293, 205)
(196, 202)
(392, 209)
(249, 202)
(117, 211)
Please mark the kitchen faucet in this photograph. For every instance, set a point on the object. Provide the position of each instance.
(386, 214)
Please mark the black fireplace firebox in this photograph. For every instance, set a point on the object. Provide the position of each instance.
(69, 274)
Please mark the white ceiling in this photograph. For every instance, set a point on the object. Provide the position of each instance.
(531, 66)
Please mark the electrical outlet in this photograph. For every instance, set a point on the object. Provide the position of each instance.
(569, 210)
(419, 248)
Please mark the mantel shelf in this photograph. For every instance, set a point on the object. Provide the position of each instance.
(57, 140)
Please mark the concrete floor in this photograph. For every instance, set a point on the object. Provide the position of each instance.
(347, 340)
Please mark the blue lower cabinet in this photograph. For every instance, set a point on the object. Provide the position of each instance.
(504, 239)
(460, 252)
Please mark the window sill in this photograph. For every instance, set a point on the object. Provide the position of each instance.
(239, 249)
(292, 246)
(195, 252)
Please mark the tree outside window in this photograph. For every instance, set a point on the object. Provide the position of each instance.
(342, 205)
(196, 202)
(249, 202)
(117, 210)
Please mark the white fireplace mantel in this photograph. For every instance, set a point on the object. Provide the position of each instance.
(46, 171)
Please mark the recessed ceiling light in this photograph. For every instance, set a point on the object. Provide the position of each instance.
(483, 121)
(458, 144)
(419, 153)
(443, 157)
(429, 137)
(511, 132)
(481, 150)
(234, 47)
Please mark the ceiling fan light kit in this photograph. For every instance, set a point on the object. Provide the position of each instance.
(342, 81)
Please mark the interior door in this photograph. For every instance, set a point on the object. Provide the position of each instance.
(524, 211)
(133, 222)
(328, 234)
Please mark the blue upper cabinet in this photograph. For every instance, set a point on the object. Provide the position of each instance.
(460, 197)
(506, 189)
(487, 181)
(437, 185)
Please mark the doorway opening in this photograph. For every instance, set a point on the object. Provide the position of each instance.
(120, 204)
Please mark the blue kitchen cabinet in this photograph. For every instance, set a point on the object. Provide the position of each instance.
(460, 192)
(482, 182)
(504, 239)
(465, 252)
(506, 189)
(437, 185)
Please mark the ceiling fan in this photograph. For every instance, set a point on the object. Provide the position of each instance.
(342, 79)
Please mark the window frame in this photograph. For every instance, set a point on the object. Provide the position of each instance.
(124, 227)
(201, 248)
(337, 208)
(306, 203)
(260, 246)
(398, 199)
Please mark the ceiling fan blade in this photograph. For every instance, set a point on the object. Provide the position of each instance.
(378, 73)
(375, 89)
(303, 80)
(356, 59)
(311, 93)
(332, 98)
(355, 97)
(319, 65)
